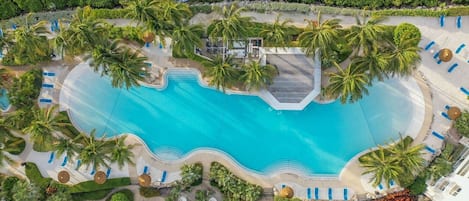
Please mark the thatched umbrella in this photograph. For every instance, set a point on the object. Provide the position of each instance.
(286, 192)
(144, 180)
(445, 54)
(454, 113)
(63, 176)
(100, 177)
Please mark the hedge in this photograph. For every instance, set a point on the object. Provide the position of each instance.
(128, 194)
(35, 176)
(88, 186)
(149, 192)
(93, 195)
(109, 13)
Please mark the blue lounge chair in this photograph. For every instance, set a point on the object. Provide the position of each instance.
(464, 90)
(438, 62)
(46, 85)
(345, 194)
(51, 157)
(442, 21)
(308, 193)
(316, 193)
(329, 193)
(429, 149)
(145, 170)
(65, 161)
(160, 46)
(163, 177)
(436, 55)
(462, 46)
(459, 22)
(429, 45)
(45, 100)
(92, 171)
(147, 44)
(380, 187)
(445, 115)
(13, 26)
(108, 172)
(452, 67)
(439, 136)
(78, 164)
(283, 186)
(447, 107)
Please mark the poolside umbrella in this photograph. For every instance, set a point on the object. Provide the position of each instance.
(144, 180)
(445, 54)
(454, 113)
(286, 192)
(148, 37)
(63, 176)
(100, 177)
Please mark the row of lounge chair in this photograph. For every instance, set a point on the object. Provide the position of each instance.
(163, 174)
(458, 21)
(47, 85)
(453, 66)
(77, 164)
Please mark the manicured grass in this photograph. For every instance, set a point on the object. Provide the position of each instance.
(35, 176)
(88, 186)
(128, 193)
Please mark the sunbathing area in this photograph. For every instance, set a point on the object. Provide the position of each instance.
(195, 114)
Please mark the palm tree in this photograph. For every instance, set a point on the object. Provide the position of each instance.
(173, 13)
(186, 38)
(5, 40)
(349, 84)
(66, 146)
(6, 146)
(220, 71)
(374, 63)
(231, 26)
(404, 57)
(409, 157)
(45, 122)
(142, 11)
(256, 76)
(23, 190)
(95, 152)
(443, 165)
(365, 35)
(381, 166)
(320, 35)
(122, 153)
(278, 34)
(30, 44)
(125, 66)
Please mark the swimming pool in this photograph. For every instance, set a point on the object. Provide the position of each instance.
(185, 116)
(4, 103)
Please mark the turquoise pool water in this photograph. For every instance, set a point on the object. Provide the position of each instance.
(4, 103)
(185, 116)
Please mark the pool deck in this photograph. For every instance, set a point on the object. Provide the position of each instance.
(439, 88)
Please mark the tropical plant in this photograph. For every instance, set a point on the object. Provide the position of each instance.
(231, 26)
(45, 122)
(5, 79)
(95, 151)
(256, 76)
(404, 57)
(19, 119)
(374, 64)
(25, 89)
(142, 11)
(60, 196)
(443, 164)
(220, 71)
(365, 36)
(186, 38)
(408, 156)
(23, 190)
(66, 146)
(5, 40)
(406, 31)
(349, 84)
(119, 197)
(278, 34)
(322, 35)
(381, 166)
(122, 153)
(462, 124)
(191, 174)
(125, 66)
(7, 185)
(172, 13)
(7, 146)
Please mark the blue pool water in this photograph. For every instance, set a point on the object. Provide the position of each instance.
(185, 116)
(4, 103)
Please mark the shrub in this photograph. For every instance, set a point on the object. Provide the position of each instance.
(29, 5)
(8, 9)
(149, 192)
(88, 186)
(460, 10)
(7, 185)
(127, 33)
(25, 90)
(92, 195)
(129, 195)
(201, 9)
(119, 197)
(191, 174)
(406, 31)
(418, 187)
(462, 124)
(109, 13)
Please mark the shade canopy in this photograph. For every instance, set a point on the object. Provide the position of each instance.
(454, 113)
(148, 37)
(445, 54)
(286, 192)
(100, 177)
(63, 176)
(144, 180)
